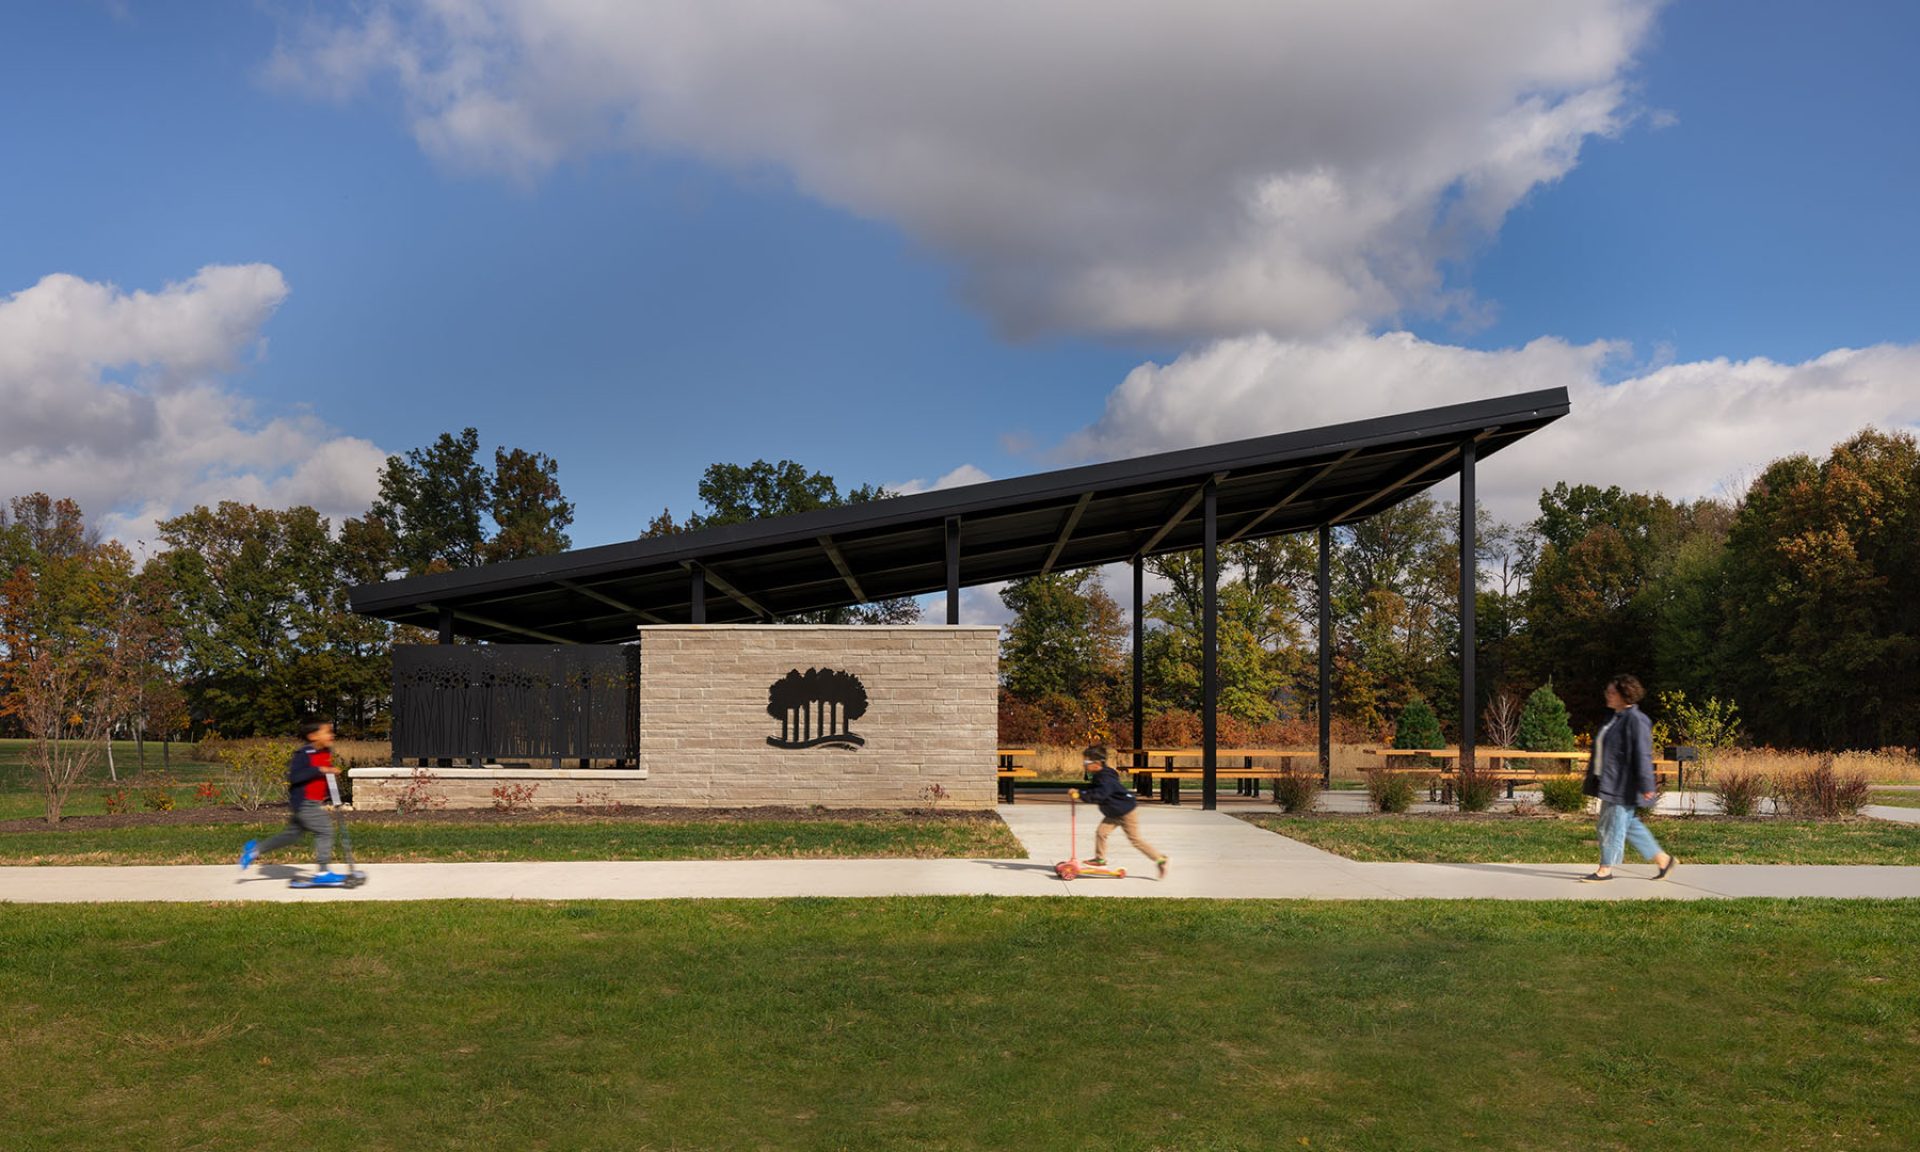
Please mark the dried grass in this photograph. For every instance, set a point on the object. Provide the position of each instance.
(1888, 766)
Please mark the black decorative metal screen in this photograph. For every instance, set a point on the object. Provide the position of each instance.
(516, 702)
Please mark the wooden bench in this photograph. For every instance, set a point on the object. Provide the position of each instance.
(1246, 777)
(1007, 776)
(1010, 770)
(1441, 777)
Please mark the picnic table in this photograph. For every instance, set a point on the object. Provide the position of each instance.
(1499, 764)
(1010, 770)
(1246, 776)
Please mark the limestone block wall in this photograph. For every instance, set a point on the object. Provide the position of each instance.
(927, 709)
(930, 716)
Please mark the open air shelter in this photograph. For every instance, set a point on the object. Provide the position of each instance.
(1123, 511)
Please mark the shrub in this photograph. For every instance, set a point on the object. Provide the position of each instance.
(156, 794)
(1563, 794)
(1296, 791)
(116, 801)
(420, 793)
(597, 801)
(1418, 726)
(1821, 793)
(206, 792)
(1739, 792)
(1712, 726)
(253, 772)
(1389, 791)
(1475, 789)
(513, 797)
(1543, 722)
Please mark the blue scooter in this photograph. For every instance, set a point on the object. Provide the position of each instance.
(352, 877)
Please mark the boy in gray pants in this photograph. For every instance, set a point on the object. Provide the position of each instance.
(308, 777)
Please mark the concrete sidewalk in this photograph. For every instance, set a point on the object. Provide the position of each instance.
(1214, 855)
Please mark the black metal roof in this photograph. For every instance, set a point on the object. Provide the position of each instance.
(1025, 526)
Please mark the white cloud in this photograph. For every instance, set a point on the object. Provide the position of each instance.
(113, 398)
(1688, 430)
(963, 475)
(1199, 169)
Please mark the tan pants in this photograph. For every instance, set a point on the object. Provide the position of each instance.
(1130, 824)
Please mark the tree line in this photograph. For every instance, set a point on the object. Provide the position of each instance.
(1796, 603)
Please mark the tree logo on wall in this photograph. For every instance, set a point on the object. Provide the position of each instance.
(814, 708)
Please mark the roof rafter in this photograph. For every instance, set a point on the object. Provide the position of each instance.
(840, 565)
(1179, 514)
(1066, 531)
(1293, 494)
(739, 597)
(610, 601)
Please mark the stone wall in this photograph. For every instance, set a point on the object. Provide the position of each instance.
(917, 710)
(931, 716)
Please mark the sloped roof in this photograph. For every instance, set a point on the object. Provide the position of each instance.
(1024, 526)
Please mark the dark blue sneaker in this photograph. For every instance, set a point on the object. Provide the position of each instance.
(248, 851)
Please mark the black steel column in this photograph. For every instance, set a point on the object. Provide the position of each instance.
(446, 637)
(1326, 654)
(1209, 657)
(1139, 660)
(1469, 590)
(953, 569)
(697, 592)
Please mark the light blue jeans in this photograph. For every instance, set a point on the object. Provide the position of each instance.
(1620, 824)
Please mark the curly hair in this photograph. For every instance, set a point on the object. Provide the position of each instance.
(1629, 687)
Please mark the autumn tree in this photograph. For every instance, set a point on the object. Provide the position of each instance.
(72, 637)
(1062, 652)
(529, 513)
(261, 596)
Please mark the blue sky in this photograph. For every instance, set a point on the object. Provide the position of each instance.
(641, 277)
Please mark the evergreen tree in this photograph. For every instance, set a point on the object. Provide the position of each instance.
(1418, 726)
(1543, 722)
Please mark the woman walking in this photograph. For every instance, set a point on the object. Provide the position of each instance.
(1621, 775)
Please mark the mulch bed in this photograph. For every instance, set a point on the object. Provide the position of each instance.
(490, 816)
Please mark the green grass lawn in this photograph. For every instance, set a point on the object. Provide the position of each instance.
(532, 839)
(1695, 840)
(962, 1023)
(1902, 799)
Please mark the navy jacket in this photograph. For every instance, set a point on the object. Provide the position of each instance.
(1625, 764)
(1111, 795)
(301, 772)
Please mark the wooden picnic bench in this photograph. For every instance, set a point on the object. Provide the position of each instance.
(1246, 776)
(1499, 765)
(1010, 770)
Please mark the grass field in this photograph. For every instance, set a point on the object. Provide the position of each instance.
(1897, 799)
(962, 1023)
(1509, 839)
(533, 839)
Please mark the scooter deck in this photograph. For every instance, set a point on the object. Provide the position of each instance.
(351, 880)
(1075, 869)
